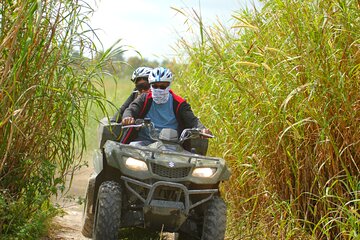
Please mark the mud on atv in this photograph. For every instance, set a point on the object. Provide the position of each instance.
(161, 186)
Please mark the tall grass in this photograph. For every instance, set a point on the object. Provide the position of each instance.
(46, 87)
(281, 91)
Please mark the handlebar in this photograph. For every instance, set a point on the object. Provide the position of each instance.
(139, 123)
(133, 126)
(188, 133)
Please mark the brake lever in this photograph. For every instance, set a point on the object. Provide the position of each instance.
(198, 131)
(206, 135)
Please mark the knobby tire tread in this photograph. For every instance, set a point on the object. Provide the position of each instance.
(214, 225)
(88, 215)
(108, 213)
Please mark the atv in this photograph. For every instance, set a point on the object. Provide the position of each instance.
(168, 185)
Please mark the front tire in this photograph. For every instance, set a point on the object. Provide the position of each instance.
(214, 224)
(108, 211)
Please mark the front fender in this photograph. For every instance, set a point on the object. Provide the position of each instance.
(98, 161)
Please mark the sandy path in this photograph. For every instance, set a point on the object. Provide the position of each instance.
(69, 225)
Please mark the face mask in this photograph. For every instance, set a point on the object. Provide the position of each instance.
(160, 96)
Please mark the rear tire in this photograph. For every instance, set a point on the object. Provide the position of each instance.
(108, 212)
(214, 224)
(88, 215)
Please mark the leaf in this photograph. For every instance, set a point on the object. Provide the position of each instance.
(250, 64)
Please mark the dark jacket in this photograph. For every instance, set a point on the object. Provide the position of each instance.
(118, 115)
(141, 106)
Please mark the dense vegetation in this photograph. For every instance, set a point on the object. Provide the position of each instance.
(52, 78)
(46, 86)
(281, 92)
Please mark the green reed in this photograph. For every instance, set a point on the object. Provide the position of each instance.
(281, 92)
(46, 86)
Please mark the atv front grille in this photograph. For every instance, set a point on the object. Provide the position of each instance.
(170, 172)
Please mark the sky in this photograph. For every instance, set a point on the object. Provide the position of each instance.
(152, 27)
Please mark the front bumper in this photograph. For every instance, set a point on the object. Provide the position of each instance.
(163, 214)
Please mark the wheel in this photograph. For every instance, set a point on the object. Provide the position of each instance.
(88, 215)
(108, 212)
(214, 223)
(184, 236)
(189, 231)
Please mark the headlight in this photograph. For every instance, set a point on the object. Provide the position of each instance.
(135, 164)
(204, 172)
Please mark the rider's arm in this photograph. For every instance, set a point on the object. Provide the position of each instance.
(188, 117)
(134, 109)
(190, 120)
(118, 115)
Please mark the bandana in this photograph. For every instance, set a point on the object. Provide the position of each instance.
(160, 96)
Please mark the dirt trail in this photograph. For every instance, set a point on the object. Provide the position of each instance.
(69, 225)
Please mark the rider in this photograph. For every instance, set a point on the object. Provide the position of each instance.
(162, 106)
(140, 79)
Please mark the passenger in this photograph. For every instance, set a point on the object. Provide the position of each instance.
(162, 106)
(140, 79)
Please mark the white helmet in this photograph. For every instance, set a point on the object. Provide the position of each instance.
(160, 74)
(141, 72)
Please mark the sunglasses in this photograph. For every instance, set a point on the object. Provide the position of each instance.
(141, 78)
(142, 86)
(159, 86)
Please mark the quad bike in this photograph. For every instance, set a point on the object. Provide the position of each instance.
(161, 186)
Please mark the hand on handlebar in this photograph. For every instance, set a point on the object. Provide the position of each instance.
(128, 121)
